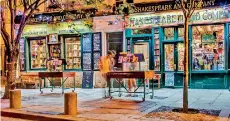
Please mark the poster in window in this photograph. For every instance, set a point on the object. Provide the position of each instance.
(96, 58)
(22, 54)
(87, 80)
(96, 42)
(86, 43)
(87, 61)
(169, 79)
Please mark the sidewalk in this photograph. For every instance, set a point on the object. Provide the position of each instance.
(92, 107)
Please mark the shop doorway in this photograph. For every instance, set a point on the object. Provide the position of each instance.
(173, 63)
(142, 47)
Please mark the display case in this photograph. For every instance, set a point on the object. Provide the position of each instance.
(22, 54)
(38, 53)
(73, 52)
(156, 50)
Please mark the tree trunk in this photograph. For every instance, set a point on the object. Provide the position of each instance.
(186, 65)
(10, 78)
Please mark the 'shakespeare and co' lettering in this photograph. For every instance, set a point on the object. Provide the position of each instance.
(160, 19)
(139, 8)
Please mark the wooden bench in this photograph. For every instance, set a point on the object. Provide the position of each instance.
(157, 78)
(29, 79)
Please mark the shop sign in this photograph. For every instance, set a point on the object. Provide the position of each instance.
(173, 5)
(130, 58)
(58, 16)
(161, 19)
(68, 28)
(76, 27)
(35, 30)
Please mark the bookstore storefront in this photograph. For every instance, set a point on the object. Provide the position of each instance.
(74, 42)
(163, 33)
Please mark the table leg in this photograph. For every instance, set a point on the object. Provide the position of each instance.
(110, 96)
(40, 81)
(62, 85)
(144, 89)
(152, 90)
(119, 87)
(74, 84)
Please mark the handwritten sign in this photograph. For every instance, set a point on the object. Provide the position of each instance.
(87, 80)
(130, 58)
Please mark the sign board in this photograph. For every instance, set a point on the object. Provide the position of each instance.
(171, 18)
(169, 79)
(173, 5)
(130, 58)
(75, 27)
(87, 80)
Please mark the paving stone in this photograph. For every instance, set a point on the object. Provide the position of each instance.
(109, 117)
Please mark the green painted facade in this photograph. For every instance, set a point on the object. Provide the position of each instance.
(199, 79)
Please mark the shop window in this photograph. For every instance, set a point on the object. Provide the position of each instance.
(180, 33)
(115, 42)
(156, 50)
(208, 47)
(38, 53)
(169, 33)
(73, 52)
(142, 31)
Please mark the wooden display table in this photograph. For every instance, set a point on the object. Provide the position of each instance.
(143, 75)
(62, 75)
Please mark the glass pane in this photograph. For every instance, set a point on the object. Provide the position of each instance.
(168, 33)
(180, 33)
(169, 57)
(180, 48)
(143, 48)
(38, 54)
(142, 31)
(208, 47)
(156, 51)
(73, 53)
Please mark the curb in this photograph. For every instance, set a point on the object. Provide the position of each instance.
(31, 116)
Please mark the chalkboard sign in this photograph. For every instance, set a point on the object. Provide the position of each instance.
(96, 58)
(87, 80)
(96, 42)
(169, 79)
(86, 43)
(87, 62)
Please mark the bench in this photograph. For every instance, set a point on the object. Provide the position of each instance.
(29, 80)
(157, 80)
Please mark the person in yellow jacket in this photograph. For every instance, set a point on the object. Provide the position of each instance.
(106, 64)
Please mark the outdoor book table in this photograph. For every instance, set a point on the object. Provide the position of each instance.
(62, 75)
(143, 75)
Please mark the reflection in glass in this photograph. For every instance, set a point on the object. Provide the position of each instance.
(169, 57)
(143, 48)
(208, 47)
(168, 33)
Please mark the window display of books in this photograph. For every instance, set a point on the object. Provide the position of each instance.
(156, 50)
(73, 53)
(38, 53)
